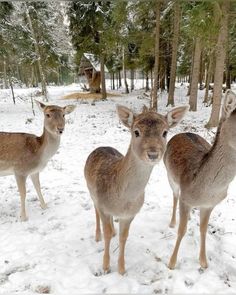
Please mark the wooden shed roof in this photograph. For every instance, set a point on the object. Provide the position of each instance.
(88, 61)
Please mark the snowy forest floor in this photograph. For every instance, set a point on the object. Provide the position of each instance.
(55, 252)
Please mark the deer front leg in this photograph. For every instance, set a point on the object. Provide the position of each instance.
(98, 235)
(123, 235)
(204, 219)
(183, 220)
(113, 227)
(21, 180)
(107, 231)
(173, 217)
(36, 183)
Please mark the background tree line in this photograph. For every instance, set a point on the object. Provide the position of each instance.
(169, 41)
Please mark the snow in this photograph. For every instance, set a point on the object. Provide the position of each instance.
(95, 62)
(55, 252)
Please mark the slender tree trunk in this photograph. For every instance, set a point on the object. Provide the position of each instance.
(124, 73)
(191, 72)
(176, 26)
(32, 77)
(195, 75)
(157, 50)
(113, 81)
(11, 84)
(219, 68)
(228, 67)
(119, 79)
(59, 82)
(5, 73)
(132, 80)
(151, 78)
(147, 88)
(162, 76)
(37, 51)
(201, 73)
(208, 79)
(103, 80)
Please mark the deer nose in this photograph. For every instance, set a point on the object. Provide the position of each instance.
(152, 155)
(60, 130)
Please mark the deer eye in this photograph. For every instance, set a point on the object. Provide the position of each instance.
(164, 134)
(48, 115)
(137, 133)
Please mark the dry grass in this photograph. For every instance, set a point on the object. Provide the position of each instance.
(87, 95)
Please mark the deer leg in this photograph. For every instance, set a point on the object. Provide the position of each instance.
(21, 180)
(98, 235)
(107, 230)
(204, 219)
(173, 217)
(183, 214)
(36, 183)
(113, 228)
(123, 235)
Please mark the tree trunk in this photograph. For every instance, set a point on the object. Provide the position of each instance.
(103, 80)
(132, 79)
(228, 66)
(147, 88)
(162, 76)
(208, 79)
(151, 78)
(113, 81)
(37, 51)
(157, 50)
(5, 73)
(195, 75)
(191, 71)
(11, 84)
(176, 26)
(119, 79)
(201, 73)
(219, 68)
(124, 73)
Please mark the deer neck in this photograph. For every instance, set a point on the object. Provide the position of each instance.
(133, 174)
(219, 167)
(49, 144)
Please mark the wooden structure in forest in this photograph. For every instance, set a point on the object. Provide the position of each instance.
(90, 67)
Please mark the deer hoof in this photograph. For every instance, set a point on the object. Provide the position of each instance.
(43, 206)
(203, 263)
(23, 218)
(172, 264)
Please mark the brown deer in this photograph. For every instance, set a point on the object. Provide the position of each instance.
(23, 154)
(199, 174)
(116, 183)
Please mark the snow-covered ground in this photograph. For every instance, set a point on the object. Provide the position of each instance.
(55, 252)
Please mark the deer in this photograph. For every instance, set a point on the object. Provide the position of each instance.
(199, 174)
(24, 154)
(116, 183)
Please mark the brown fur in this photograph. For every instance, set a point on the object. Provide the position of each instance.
(116, 183)
(23, 154)
(199, 173)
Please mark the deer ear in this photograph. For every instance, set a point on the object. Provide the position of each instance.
(126, 115)
(41, 105)
(229, 104)
(68, 109)
(175, 115)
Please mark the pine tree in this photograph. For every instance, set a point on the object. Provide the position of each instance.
(90, 28)
(176, 28)
(219, 67)
(157, 49)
